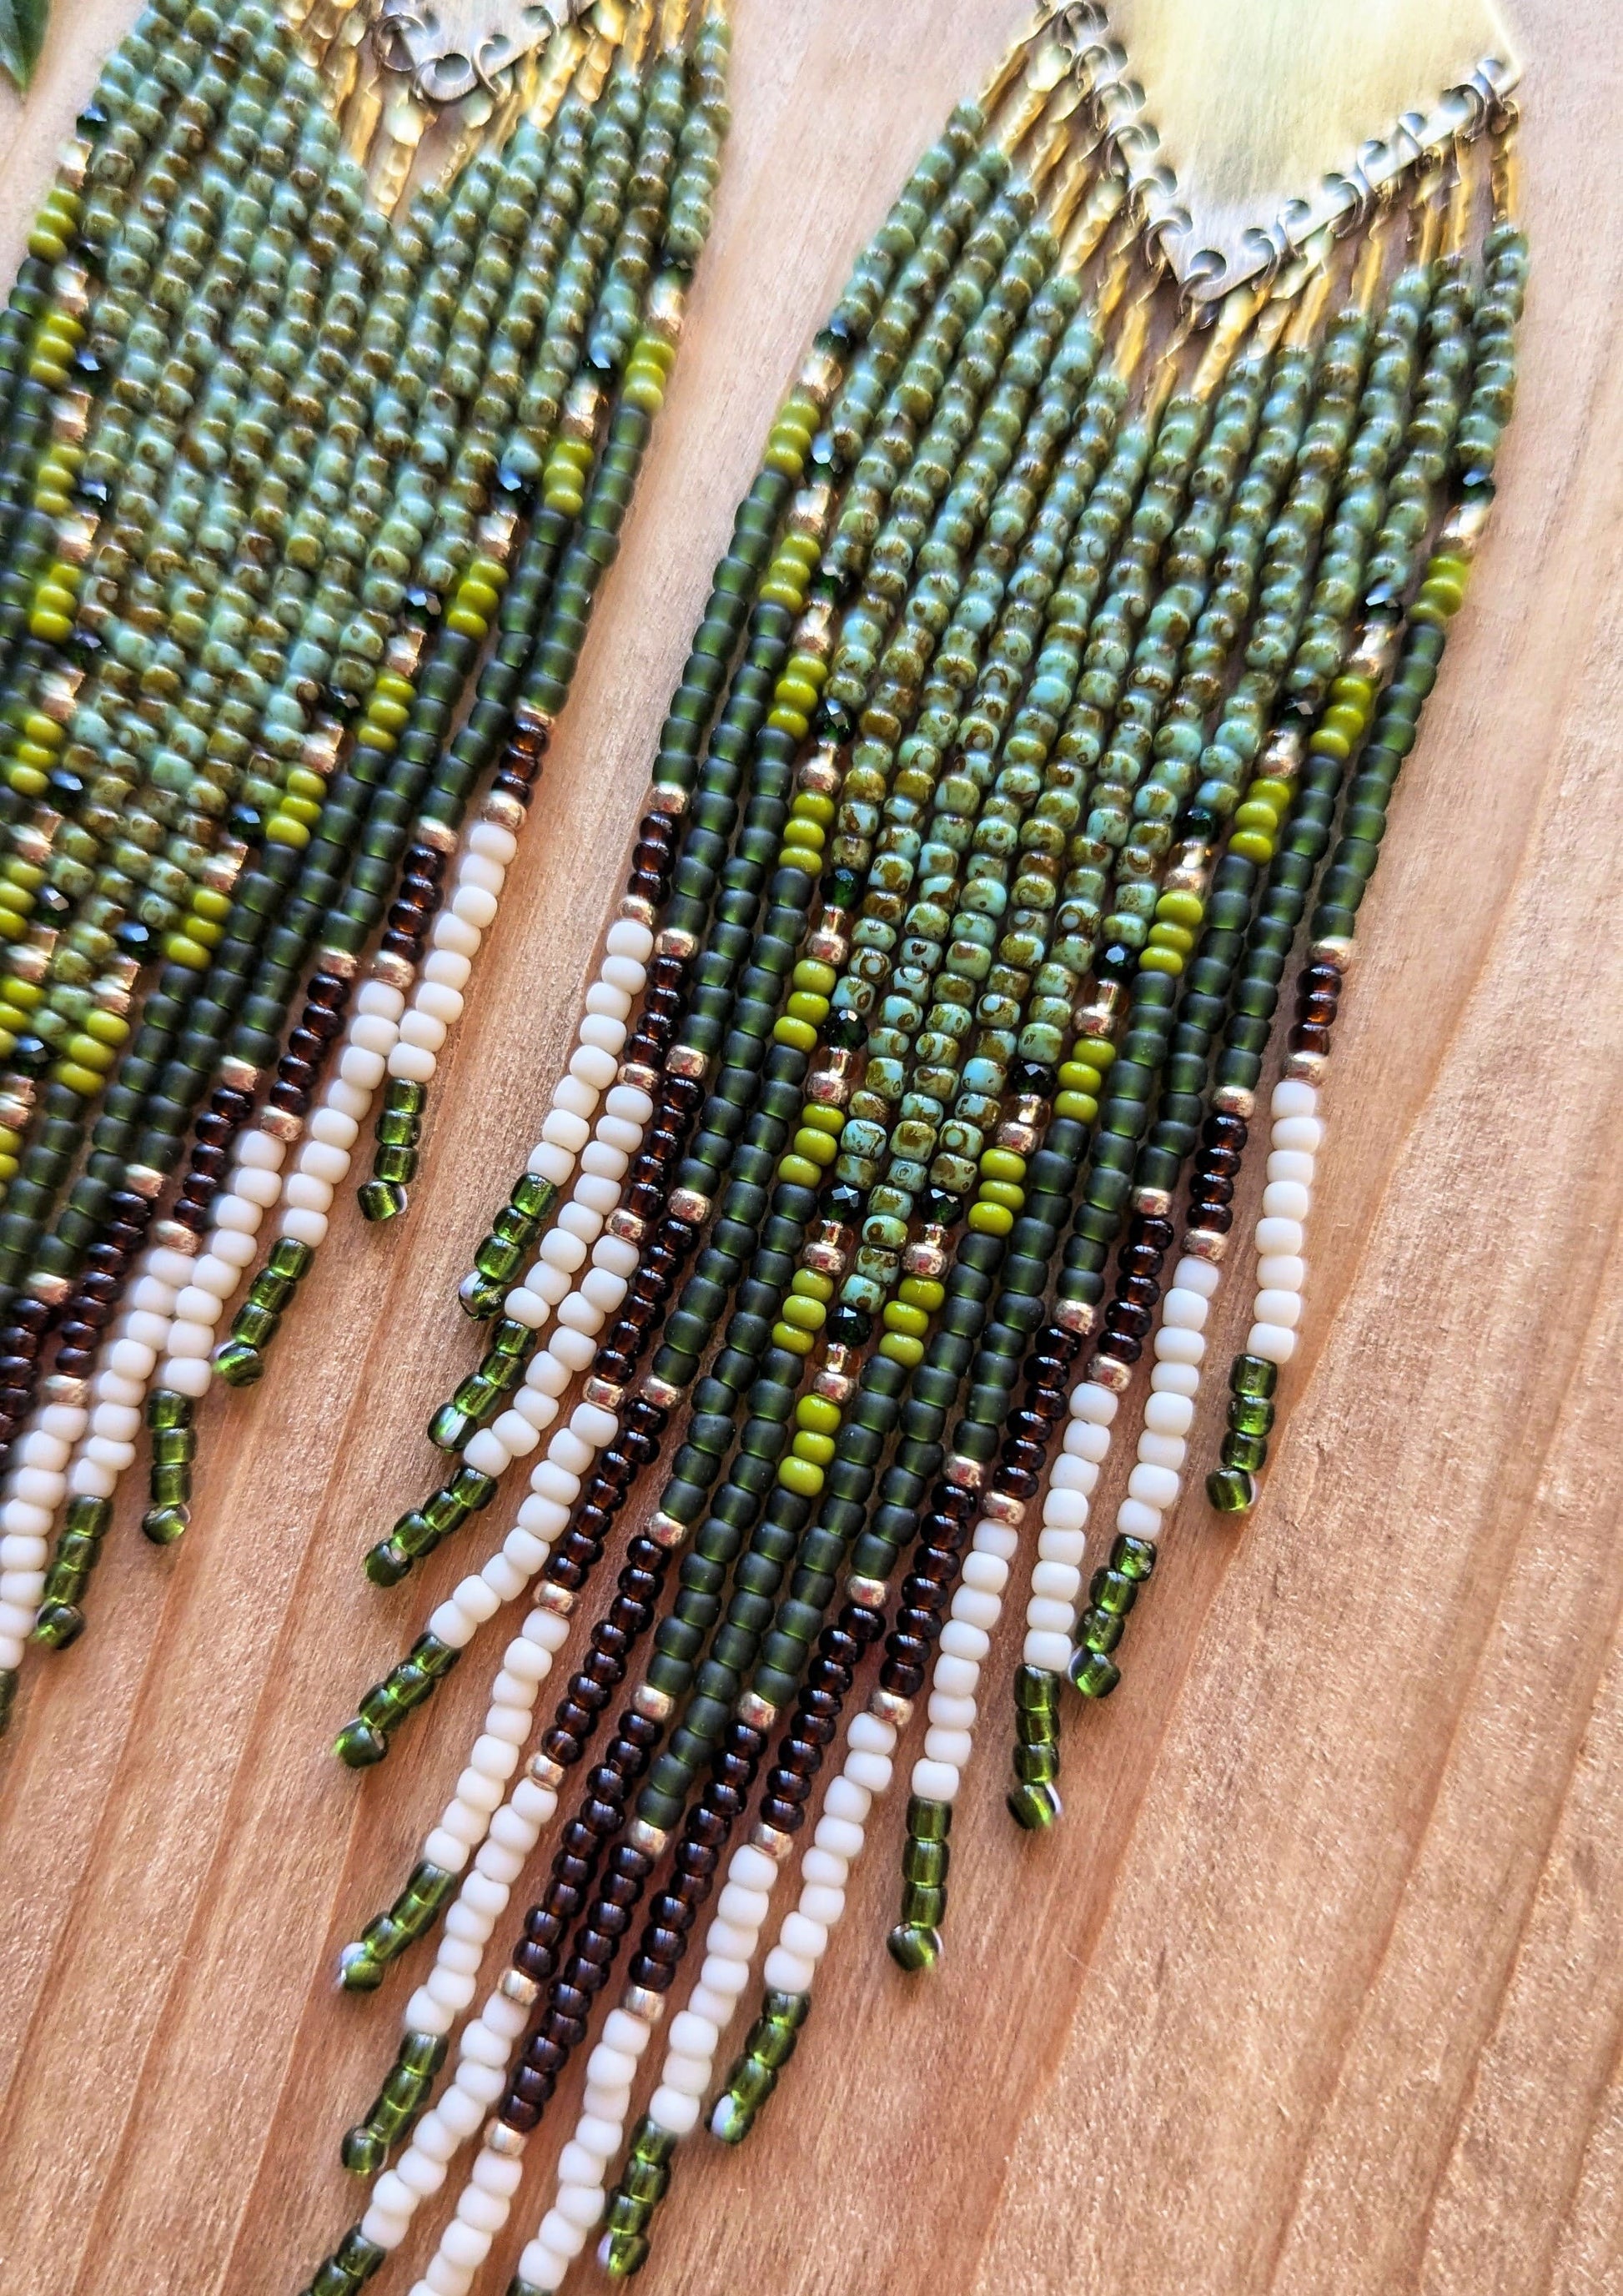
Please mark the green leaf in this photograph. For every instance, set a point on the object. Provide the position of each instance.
(22, 35)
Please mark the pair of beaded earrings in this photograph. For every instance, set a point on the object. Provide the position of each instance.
(1061, 668)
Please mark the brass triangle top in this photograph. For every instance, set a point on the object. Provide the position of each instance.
(1247, 126)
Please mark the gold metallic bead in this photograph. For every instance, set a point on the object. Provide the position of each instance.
(1108, 1370)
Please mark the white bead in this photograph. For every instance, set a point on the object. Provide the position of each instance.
(624, 973)
(257, 1187)
(1066, 1510)
(958, 1676)
(440, 1002)
(454, 930)
(1162, 1450)
(193, 1378)
(260, 1152)
(565, 1130)
(952, 1713)
(688, 2076)
(1156, 1487)
(846, 1798)
(1176, 1379)
(513, 1438)
(446, 969)
(988, 1574)
(579, 1099)
(420, 1031)
(1135, 1518)
(788, 1973)
(303, 1226)
(1274, 1307)
(493, 842)
(151, 1298)
(1184, 1309)
(934, 1780)
(215, 1274)
(371, 1032)
(1090, 1400)
(747, 1908)
(233, 1216)
(1060, 1582)
(1048, 1649)
(1199, 1275)
(306, 1194)
(870, 1772)
(1175, 1345)
(962, 1640)
(629, 937)
(1293, 1096)
(1066, 1545)
(978, 1609)
(361, 1067)
(804, 1937)
(475, 906)
(550, 1161)
(678, 2113)
(1303, 1132)
(347, 1101)
(413, 1064)
(871, 1735)
(1170, 1414)
(842, 1837)
(752, 1868)
(133, 1358)
(1285, 1200)
(1047, 1614)
(1282, 1272)
(593, 1063)
(1273, 1341)
(1291, 1164)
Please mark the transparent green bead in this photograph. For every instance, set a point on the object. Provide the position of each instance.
(1231, 1491)
(238, 1364)
(359, 1972)
(57, 1625)
(392, 1166)
(171, 1486)
(1247, 1453)
(913, 1948)
(1093, 1674)
(1251, 1415)
(1033, 1808)
(1254, 1377)
(382, 1199)
(358, 1745)
(387, 1562)
(164, 1525)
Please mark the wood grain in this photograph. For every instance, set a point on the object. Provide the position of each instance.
(1319, 1988)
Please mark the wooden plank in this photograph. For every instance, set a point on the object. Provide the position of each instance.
(1317, 1990)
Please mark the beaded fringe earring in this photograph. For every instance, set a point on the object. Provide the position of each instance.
(324, 389)
(1065, 631)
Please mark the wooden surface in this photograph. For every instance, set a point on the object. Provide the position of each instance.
(1319, 1988)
